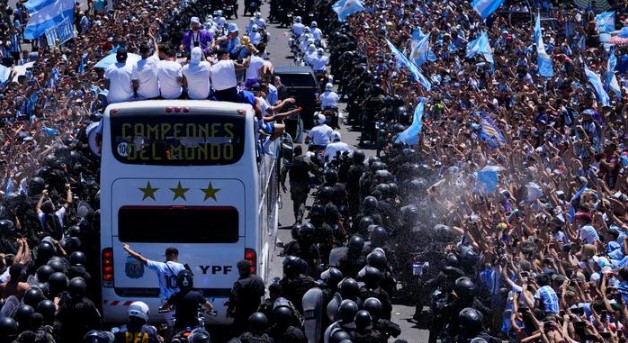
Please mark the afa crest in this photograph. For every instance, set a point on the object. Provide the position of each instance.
(133, 268)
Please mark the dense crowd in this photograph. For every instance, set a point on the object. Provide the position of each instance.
(518, 235)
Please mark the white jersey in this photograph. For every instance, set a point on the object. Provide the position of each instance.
(321, 134)
(120, 87)
(261, 23)
(317, 34)
(298, 28)
(168, 73)
(223, 75)
(333, 148)
(309, 55)
(252, 71)
(256, 38)
(319, 62)
(197, 77)
(329, 99)
(145, 72)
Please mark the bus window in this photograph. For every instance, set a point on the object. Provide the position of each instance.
(166, 224)
(177, 140)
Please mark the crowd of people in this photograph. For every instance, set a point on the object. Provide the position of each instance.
(516, 235)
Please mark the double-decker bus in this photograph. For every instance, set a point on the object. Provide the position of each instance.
(184, 174)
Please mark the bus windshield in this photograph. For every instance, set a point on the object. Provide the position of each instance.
(155, 139)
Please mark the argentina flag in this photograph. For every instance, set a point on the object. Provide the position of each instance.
(486, 7)
(345, 8)
(596, 82)
(46, 14)
(410, 135)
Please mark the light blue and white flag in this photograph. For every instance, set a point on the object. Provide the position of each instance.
(543, 60)
(46, 14)
(345, 8)
(410, 135)
(596, 82)
(605, 22)
(4, 73)
(486, 7)
(481, 45)
(610, 80)
(488, 178)
(421, 51)
(403, 60)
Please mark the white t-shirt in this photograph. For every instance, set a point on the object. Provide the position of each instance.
(120, 87)
(145, 71)
(329, 99)
(333, 148)
(264, 105)
(319, 62)
(168, 73)
(321, 134)
(223, 75)
(252, 71)
(197, 76)
(167, 276)
(317, 34)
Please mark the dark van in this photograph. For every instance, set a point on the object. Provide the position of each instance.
(303, 86)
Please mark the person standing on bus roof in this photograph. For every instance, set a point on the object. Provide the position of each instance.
(119, 79)
(166, 273)
(196, 75)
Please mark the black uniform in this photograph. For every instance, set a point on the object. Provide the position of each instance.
(295, 288)
(369, 335)
(290, 334)
(249, 337)
(75, 318)
(245, 299)
(380, 295)
(299, 171)
(186, 304)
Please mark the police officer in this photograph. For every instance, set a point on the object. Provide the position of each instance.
(353, 182)
(283, 331)
(320, 135)
(186, 302)
(246, 296)
(137, 329)
(77, 314)
(353, 261)
(258, 324)
(387, 327)
(336, 147)
(299, 171)
(297, 27)
(364, 330)
(295, 282)
(371, 289)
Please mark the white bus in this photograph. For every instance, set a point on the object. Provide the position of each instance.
(185, 174)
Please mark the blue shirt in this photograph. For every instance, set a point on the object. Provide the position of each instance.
(588, 234)
(167, 276)
(548, 297)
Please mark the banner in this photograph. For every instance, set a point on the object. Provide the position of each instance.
(63, 32)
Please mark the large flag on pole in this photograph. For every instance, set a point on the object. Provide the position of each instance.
(486, 7)
(46, 14)
(403, 60)
(345, 8)
(421, 51)
(611, 80)
(605, 22)
(481, 45)
(410, 135)
(543, 60)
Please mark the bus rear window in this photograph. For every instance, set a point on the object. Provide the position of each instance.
(165, 224)
(177, 139)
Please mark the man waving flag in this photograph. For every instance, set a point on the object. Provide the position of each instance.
(46, 14)
(345, 8)
(486, 7)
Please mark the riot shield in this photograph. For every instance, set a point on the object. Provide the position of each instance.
(313, 314)
(336, 255)
(10, 305)
(333, 306)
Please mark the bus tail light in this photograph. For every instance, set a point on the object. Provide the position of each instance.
(251, 256)
(107, 267)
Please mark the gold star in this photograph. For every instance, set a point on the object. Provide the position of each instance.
(210, 192)
(179, 192)
(149, 192)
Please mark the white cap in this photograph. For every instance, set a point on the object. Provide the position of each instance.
(336, 136)
(196, 55)
(329, 86)
(138, 309)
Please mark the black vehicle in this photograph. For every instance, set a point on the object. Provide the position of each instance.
(303, 86)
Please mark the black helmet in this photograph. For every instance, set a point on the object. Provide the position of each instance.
(317, 212)
(36, 185)
(45, 250)
(7, 227)
(371, 276)
(74, 231)
(331, 176)
(468, 256)
(282, 315)
(47, 309)
(347, 310)
(57, 283)
(307, 231)
(365, 222)
(332, 276)
(290, 265)
(44, 272)
(349, 287)
(358, 157)
(8, 328)
(470, 321)
(50, 160)
(378, 236)
(258, 322)
(325, 195)
(356, 244)
(464, 287)
(409, 214)
(339, 336)
(57, 264)
(23, 315)
(302, 266)
(78, 257)
(71, 244)
(452, 260)
(363, 320)
(33, 296)
(295, 230)
(373, 306)
(199, 335)
(378, 260)
(375, 166)
(373, 159)
(185, 279)
(369, 204)
(77, 288)
(442, 233)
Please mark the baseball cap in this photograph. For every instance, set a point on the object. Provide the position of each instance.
(232, 27)
(195, 20)
(171, 250)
